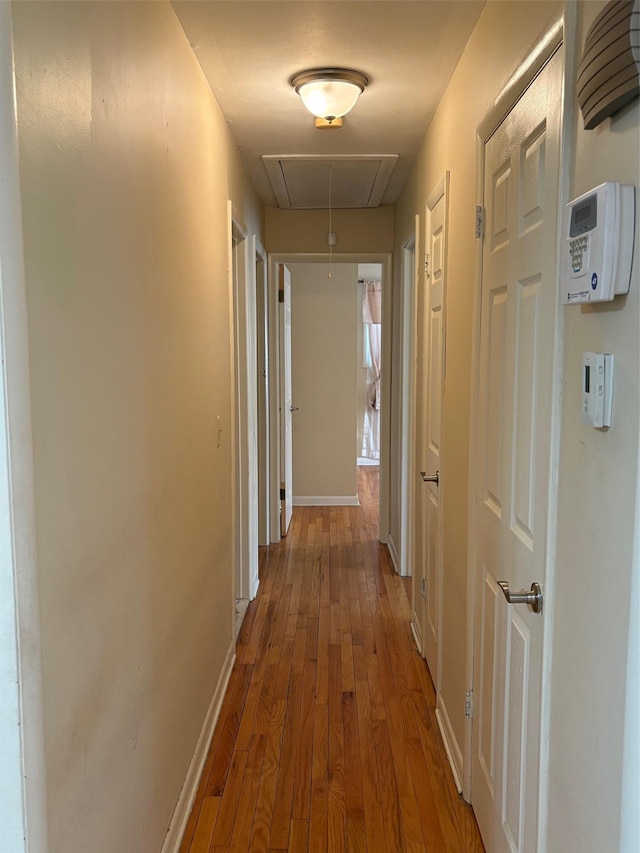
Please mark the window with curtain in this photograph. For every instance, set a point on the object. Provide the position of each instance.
(372, 319)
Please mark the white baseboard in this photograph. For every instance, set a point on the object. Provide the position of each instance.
(189, 790)
(415, 630)
(393, 553)
(254, 585)
(454, 753)
(326, 500)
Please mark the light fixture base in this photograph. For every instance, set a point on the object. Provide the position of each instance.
(323, 123)
(349, 75)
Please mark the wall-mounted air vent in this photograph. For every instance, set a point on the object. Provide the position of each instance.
(609, 71)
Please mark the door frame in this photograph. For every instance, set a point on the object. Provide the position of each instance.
(242, 291)
(285, 407)
(410, 282)
(385, 260)
(553, 39)
(262, 332)
(23, 779)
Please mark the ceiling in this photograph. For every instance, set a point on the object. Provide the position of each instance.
(249, 49)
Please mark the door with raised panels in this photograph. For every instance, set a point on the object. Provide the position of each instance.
(433, 378)
(517, 387)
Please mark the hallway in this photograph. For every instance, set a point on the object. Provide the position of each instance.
(327, 739)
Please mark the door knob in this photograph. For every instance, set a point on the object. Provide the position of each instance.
(293, 408)
(532, 598)
(433, 478)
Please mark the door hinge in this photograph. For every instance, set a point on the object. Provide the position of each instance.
(426, 265)
(480, 222)
(283, 494)
(468, 703)
(423, 587)
(281, 296)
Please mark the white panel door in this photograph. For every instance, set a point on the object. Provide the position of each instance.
(433, 378)
(516, 393)
(286, 436)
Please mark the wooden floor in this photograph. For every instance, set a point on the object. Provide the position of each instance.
(327, 739)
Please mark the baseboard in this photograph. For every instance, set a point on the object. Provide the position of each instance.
(326, 500)
(393, 553)
(187, 796)
(454, 753)
(415, 630)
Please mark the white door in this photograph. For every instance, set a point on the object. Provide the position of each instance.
(286, 441)
(433, 378)
(517, 388)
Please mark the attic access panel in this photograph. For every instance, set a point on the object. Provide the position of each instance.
(301, 182)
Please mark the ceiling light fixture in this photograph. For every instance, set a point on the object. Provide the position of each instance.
(329, 93)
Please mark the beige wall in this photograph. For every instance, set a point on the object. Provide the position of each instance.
(305, 231)
(126, 167)
(503, 36)
(324, 321)
(597, 493)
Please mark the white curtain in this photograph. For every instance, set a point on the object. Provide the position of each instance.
(371, 317)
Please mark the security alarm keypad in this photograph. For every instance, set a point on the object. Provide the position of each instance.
(600, 231)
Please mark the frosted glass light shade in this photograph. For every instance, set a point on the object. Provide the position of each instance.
(329, 98)
(329, 93)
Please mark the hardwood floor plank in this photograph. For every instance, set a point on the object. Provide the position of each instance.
(370, 782)
(206, 822)
(327, 739)
(337, 811)
(299, 836)
(261, 829)
(304, 754)
(230, 799)
(411, 825)
(229, 731)
(320, 768)
(427, 808)
(319, 823)
(247, 723)
(388, 790)
(243, 823)
(356, 836)
(378, 711)
(265, 700)
(353, 778)
(322, 674)
(280, 824)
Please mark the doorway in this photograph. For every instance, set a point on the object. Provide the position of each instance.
(313, 382)
(335, 379)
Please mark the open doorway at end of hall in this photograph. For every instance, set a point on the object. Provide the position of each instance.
(336, 378)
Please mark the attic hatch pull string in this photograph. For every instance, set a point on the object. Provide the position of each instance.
(330, 228)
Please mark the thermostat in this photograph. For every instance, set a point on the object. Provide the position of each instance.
(598, 252)
(597, 389)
